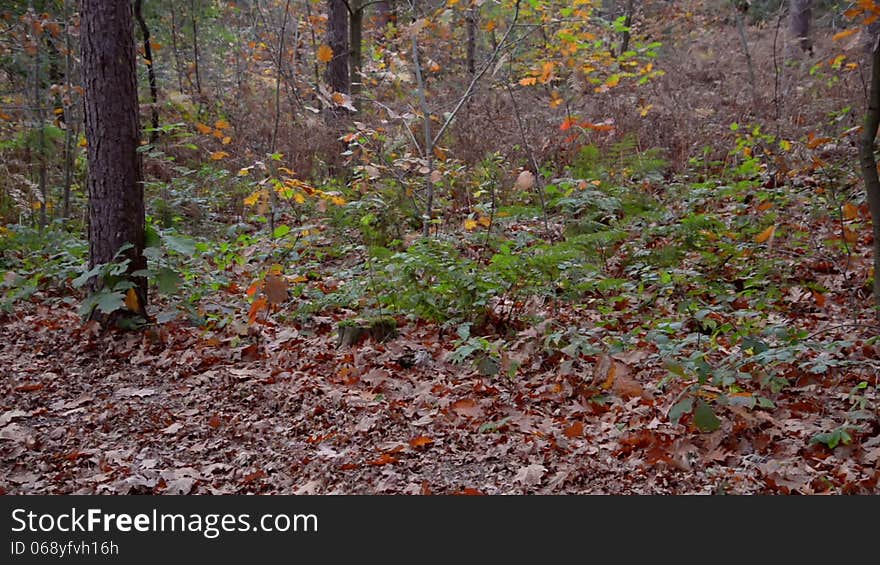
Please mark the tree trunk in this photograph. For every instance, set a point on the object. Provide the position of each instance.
(151, 75)
(336, 74)
(116, 193)
(869, 165)
(801, 12)
(471, 24)
(194, 5)
(355, 38)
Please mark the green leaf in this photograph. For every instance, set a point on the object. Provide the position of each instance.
(152, 237)
(681, 408)
(168, 280)
(180, 244)
(704, 418)
(281, 231)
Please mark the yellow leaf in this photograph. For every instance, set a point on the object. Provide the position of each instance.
(131, 301)
(203, 129)
(338, 200)
(528, 81)
(643, 110)
(217, 155)
(299, 198)
(325, 54)
(221, 124)
(785, 145)
(765, 235)
(83, 142)
(850, 212)
(227, 140)
(470, 224)
(555, 99)
(452, 3)
(612, 81)
(484, 221)
(843, 34)
(244, 172)
(255, 197)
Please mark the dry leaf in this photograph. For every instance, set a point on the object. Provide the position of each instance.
(276, 289)
(525, 181)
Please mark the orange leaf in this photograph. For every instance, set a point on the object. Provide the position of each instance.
(131, 301)
(215, 421)
(420, 441)
(546, 72)
(203, 129)
(574, 430)
(765, 235)
(384, 459)
(843, 34)
(850, 212)
(528, 81)
(29, 387)
(764, 206)
(221, 124)
(259, 304)
(325, 54)
(818, 297)
(217, 155)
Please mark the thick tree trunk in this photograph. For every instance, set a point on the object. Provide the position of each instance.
(869, 165)
(336, 74)
(151, 74)
(116, 194)
(800, 14)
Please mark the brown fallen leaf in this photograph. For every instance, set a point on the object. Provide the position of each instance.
(574, 430)
(467, 407)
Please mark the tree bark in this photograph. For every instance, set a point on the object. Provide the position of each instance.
(336, 74)
(115, 181)
(869, 165)
(355, 38)
(801, 12)
(151, 74)
(471, 24)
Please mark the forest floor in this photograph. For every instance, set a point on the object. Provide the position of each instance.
(177, 411)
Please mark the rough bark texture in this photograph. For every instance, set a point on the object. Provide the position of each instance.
(337, 38)
(869, 165)
(800, 14)
(116, 194)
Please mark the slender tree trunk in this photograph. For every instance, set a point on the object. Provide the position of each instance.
(429, 139)
(624, 40)
(273, 195)
(176, 52)
(799, 20)
(336, 74)
(151, 75)
(355, 39)
(39, 125)
(194, 4)
(471, 24)
(869, 165)
(69, 133)
(116, 194)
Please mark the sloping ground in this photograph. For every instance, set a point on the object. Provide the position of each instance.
(285, 411)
